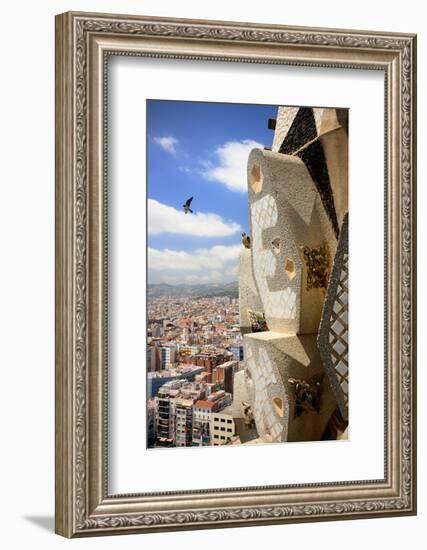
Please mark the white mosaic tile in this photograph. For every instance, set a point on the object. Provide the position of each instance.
(281, 303)
(263, 376)
(285, 118)
(342, 368)
(338, 331)
(333, 332)
(339, 347)
(318, 114)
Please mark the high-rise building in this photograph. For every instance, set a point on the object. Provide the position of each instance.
(225, 374)
(183, 422)
(156, 330)
(165, 400)
(151, 422)
(202, 419)
(210, 357)
(167, 356)
(222, 428)
(152, 358)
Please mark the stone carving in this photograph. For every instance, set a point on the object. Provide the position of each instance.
(248, 415)
(317, 261)
(257, 321)
(293, 238)
(272, 360)
(307, 395)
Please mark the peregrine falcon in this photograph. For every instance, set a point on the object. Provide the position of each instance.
(246, 240)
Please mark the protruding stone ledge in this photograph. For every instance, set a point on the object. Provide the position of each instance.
(277, 365)
(293, 242)
(249, 299)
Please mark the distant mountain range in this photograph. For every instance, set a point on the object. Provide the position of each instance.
(213, 289)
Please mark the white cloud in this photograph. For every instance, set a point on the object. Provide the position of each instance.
(167, 143)
(232, 162)
(217, 264)
(166, 219)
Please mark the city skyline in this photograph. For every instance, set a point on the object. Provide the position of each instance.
(194, 353)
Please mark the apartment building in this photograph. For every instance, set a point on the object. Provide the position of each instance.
(167, 356)
(202, 419)
(223, 428)
(165, 403)
(183, 422)
(224, 375)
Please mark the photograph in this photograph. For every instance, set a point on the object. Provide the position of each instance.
(247, 274)
(235, 271)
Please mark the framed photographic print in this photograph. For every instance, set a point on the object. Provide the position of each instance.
(235, 274)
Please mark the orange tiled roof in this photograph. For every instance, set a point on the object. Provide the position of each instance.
(204, 404)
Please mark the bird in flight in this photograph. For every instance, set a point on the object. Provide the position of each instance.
(186, 206)
(246, 240)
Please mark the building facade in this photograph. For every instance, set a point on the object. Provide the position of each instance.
(225, 375)
(167, 356)
(151, 422)
(165, 415)
(183, 422)
(155, 380)
(223, 428)
(202, 420)
(152, 358)
(238, 352)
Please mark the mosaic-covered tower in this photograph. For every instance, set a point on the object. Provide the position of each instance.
(296, 214)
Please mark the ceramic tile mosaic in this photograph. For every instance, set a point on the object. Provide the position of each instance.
(318, 114)
(281, 303)
(333, 331)
(265, 386)
(285, 118)
(248, 294)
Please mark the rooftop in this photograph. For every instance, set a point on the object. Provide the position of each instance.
(204, 404)
(182, 369)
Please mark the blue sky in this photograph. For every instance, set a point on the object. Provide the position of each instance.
(200, 150)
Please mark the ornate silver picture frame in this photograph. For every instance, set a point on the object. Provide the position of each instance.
(84, 42)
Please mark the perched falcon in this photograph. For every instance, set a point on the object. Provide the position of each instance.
(186, 206)
(246, 240)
